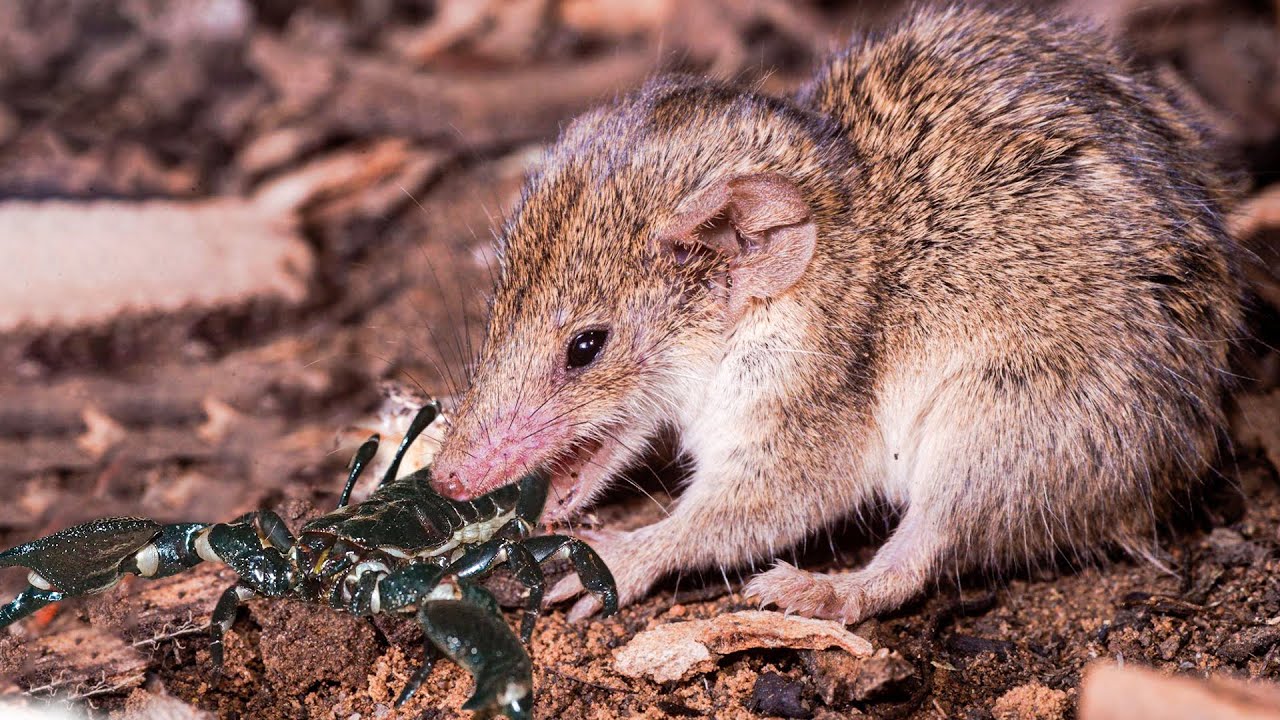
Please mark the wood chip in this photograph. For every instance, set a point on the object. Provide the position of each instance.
(74, 264)
(678, 650)
(101, 433)
(338, 173)
(1111, 692)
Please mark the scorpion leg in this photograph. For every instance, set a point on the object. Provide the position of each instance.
(224, 616)
(592, 571)
(358, 463)
(470, 632)
(426, 415)
(524, 567)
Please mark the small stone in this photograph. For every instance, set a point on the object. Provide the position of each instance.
(778, 696)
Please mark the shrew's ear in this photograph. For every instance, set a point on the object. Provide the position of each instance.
(760, 224)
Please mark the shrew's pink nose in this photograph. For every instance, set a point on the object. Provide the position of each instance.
(478, 473)
(450, 486)
(495, 459)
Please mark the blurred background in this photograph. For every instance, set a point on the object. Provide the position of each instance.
(224, 222)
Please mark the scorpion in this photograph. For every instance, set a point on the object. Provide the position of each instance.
(405, 549)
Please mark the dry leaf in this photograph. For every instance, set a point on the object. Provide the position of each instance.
(677, 650)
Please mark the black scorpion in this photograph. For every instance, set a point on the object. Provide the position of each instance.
(406, 549)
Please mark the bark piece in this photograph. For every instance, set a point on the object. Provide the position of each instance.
(81, 263)
(77, 664)
(840, 678)
(1249, 643)
(671, 652)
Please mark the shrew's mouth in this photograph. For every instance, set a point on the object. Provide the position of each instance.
(568, 469)
(579, 473)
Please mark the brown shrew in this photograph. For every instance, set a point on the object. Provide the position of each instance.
(976, 269)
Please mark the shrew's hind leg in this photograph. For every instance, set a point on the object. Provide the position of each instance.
(592, 571)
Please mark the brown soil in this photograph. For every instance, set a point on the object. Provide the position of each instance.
(217, 409)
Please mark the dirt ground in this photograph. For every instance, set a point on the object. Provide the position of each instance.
(403, 129)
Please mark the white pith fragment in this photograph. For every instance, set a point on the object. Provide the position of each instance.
(479, 532)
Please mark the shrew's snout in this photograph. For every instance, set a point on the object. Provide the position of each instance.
(490, 456)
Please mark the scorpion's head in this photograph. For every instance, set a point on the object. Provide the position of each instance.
(650, 229)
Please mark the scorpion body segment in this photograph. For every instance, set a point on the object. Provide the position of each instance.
(405, 549)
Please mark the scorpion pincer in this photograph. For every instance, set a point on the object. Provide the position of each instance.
(406, 549)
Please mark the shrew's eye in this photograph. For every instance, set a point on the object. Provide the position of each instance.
(584, 347)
